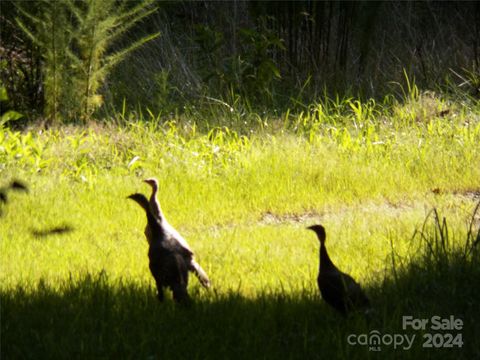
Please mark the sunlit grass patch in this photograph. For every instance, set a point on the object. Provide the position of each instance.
(74, 245)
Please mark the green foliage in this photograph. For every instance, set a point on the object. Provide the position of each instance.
(19, 63)
(74, 38)
(50, 31)
(94, 284)
(269, 56)
(249, 71)
(9, 115)
(242, 197)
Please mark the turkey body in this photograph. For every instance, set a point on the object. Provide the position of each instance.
(192, 265)
(168, 260)
(338, 289)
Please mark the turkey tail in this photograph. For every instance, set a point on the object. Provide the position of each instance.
(200, 274)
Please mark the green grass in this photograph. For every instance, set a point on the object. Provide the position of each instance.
(368, 172)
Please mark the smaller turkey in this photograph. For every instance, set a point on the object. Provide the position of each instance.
(338, 289)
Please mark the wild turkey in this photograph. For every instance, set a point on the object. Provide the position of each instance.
(337, 288)
(168, 259)
(192, 264)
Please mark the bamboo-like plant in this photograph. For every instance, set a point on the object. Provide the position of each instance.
(49, 30)
(75, 38)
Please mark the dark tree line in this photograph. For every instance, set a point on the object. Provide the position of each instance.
(267, 52)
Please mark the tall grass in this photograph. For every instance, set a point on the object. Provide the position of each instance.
(97, 316)
(367, 171)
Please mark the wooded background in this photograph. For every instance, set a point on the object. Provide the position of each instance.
(268, 54)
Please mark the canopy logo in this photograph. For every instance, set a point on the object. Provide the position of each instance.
(375, 340)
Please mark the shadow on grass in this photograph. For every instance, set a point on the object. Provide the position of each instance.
(94, 318)
(56, 230)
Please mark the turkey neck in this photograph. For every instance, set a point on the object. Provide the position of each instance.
(325, 262)
(155, 205)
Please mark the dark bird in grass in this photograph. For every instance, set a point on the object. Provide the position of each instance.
(18, 185)
(15, 185)
(192, 264)
(169, 261)
(337, 288)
